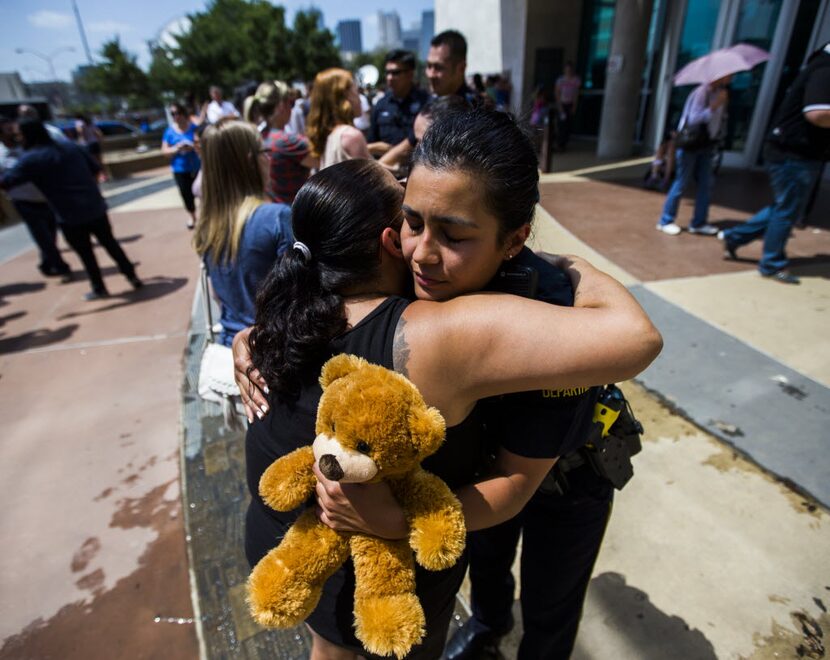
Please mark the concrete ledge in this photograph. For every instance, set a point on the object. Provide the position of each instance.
(124, 164)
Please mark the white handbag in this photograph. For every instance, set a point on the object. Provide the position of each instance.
(216, 382)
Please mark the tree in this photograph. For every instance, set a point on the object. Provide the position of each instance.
(118, 76)
(234, 42)
(311, 48)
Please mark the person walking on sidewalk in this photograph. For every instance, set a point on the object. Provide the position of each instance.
(179, 142)
(703, 116)
(566, 90)
(65, 174)
(795, 151)
(32, 207)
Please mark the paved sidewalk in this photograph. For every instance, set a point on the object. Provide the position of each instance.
(708, 553)
(95, 562)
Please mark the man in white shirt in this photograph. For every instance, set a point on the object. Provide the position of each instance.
(218, 108)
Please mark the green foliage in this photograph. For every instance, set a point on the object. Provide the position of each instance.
(237, 41)
(311, 48)
(118, 77)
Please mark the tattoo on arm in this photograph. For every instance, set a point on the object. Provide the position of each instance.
(400, 349)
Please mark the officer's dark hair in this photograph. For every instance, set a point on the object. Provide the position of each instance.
(339, 214)
(492, 148)
(34, 133)
(455, 41)
(405, 58)
(179, 108)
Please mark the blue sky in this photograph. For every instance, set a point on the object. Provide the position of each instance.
(49, 28)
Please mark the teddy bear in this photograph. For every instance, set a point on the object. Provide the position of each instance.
(372, 425)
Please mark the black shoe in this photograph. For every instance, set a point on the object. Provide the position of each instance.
(137, 283)
(97, 295)
(470, 644)
(55, 272)
(67, 277)
(783, 276)
(729, 251)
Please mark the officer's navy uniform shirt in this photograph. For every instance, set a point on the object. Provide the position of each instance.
(392, 118)
(65, 174)
(543, 423)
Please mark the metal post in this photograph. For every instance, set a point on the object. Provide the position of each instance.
(83, 33)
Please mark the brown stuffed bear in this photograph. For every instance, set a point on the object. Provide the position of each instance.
(372, 425)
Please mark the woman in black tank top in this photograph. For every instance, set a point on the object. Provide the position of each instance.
(337, 292)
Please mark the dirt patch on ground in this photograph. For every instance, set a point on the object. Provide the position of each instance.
(809, 642)
(662, 420)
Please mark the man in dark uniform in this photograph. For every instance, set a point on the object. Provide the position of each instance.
(394, 114)
(562, 525)
(447, 65)
(796, 148)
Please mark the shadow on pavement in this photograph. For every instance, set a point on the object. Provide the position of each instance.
(649, 633)
(36, 339)
(19, 289)
(130, 239)
(11, 317)
(153, 288)
(817, 266)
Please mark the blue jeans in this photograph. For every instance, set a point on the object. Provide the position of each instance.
(791, 181)
(689, 164)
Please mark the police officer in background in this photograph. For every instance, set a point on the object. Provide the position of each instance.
(562, 525)
(394, 114)
(795, 150)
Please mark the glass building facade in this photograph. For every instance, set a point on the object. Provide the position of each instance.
(683, 30)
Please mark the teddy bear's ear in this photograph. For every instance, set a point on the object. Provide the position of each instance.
(339, 366)
(427, 428)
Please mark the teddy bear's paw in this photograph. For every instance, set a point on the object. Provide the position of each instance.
(389, 625)
(277, 599)
(437, 543)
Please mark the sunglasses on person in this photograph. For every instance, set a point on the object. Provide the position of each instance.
(396, 72)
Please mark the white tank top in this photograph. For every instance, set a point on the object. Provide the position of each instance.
(334, 151)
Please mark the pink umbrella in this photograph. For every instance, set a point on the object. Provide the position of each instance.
(720, 63)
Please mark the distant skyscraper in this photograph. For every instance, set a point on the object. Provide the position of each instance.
(412, 39)
(427, 32)
(389, 30)
(348, 34)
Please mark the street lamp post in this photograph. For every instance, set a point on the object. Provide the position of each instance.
(46, 58)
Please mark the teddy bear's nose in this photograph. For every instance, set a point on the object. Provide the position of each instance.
(330, 467)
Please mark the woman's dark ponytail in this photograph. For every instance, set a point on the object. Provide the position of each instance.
(339, 215)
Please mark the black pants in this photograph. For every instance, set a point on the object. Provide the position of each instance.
(184, 180)
(561, 538)
(79, 238)
(43, 227)
(563, 125)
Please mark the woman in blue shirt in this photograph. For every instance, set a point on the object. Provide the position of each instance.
(178, 142)
(240, 235)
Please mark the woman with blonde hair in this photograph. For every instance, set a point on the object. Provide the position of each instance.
(334, 105)
(240, 234)
(289, 153)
